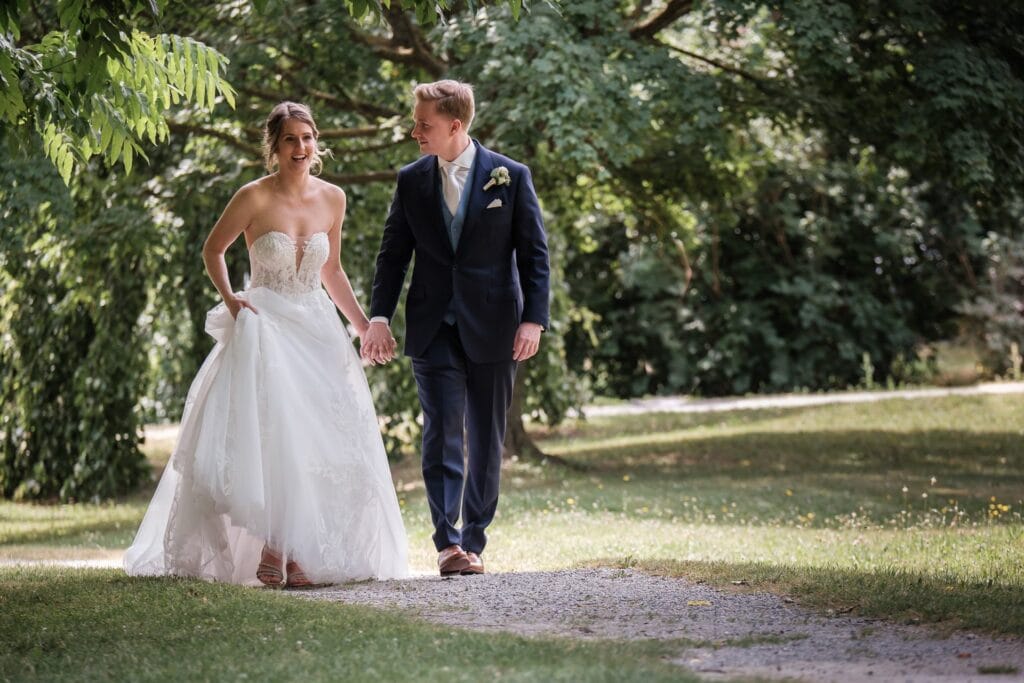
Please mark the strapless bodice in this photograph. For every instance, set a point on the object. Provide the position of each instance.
(273, 257)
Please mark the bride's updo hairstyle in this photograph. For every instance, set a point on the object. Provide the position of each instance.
(272, 134)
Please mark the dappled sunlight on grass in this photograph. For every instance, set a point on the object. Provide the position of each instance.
(66, 530)
(966, 413)
(988, 553)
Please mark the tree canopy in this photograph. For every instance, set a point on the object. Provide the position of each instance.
(95, 78)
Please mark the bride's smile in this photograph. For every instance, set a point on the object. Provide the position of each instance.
(297, 144)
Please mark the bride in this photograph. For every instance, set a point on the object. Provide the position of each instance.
(279, 475)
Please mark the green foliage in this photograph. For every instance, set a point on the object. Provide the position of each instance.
(72, 281)
(89, 82)
(99, 87)
(571, 92)
(936, 87)
(996, 313)
(550, 388)
(818, 268)
(797, 175)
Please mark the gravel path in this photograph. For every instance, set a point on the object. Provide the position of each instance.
(719, 634)
(685, 404)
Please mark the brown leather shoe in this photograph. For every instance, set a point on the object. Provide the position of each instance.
(452, 560)
(476, 564)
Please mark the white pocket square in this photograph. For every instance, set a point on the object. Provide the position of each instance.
(496, 204)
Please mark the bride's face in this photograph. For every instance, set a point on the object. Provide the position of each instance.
(296, 148)
(434, 132)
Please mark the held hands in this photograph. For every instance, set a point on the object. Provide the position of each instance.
(527, 341)
(236, 304)
(378, 346)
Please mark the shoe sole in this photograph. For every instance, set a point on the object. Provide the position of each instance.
(454, 567)
(472, 572)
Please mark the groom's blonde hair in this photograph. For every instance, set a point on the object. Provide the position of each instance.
(451, 98)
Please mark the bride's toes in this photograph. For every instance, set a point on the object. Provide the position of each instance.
(296, 577)
(269, 570)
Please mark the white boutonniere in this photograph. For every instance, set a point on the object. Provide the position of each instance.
(499, 176)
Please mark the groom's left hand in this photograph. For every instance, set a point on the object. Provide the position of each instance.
(527, 341)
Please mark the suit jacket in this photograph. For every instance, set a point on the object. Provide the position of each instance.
(497, 277)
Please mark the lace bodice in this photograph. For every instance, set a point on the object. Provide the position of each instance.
(277, 263)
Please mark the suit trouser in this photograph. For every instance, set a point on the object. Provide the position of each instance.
(465, 410)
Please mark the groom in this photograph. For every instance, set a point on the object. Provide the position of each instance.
(477, 304)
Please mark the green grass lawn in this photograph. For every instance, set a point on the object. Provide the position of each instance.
(909, 510)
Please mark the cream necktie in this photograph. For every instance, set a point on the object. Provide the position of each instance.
(451, 187)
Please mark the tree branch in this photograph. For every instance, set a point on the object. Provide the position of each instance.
(256, 134)
(407, 44)
(760, 82)
(223, 136)
(375, 148)
(262, 94)
(367, 178)
(646, 30)
(342, 101)
(347, 179)
(349, 133)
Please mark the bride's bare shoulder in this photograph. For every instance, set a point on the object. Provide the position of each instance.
(334, 194)
(329, 189)
(253, 194)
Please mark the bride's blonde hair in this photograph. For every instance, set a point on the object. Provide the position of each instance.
(272, 134)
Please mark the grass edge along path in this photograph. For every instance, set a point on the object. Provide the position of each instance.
(59, 624)
(903, 597)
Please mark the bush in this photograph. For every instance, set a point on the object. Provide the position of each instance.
(72, 286)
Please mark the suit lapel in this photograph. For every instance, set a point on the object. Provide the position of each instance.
(430, 199)
(477, 180)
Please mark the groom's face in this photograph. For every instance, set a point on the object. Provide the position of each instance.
(434, 132)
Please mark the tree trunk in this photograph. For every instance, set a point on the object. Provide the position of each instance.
(517, 441)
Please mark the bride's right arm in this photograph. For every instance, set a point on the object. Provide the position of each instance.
(232, 223)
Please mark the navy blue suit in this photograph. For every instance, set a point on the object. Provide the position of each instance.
(495, 277)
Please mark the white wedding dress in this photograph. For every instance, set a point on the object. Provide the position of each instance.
(279, 443)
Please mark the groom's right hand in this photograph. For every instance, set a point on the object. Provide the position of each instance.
(378, 346)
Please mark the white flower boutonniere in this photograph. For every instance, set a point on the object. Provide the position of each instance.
(499, 176)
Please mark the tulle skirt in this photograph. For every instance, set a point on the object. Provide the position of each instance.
(279, 444)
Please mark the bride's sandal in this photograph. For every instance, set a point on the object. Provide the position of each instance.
(296, 577)
(269, 572)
